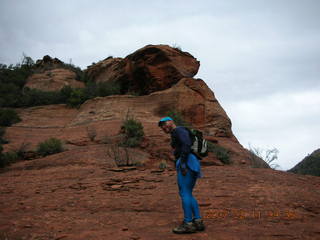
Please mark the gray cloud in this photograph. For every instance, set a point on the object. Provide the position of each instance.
(251, 52)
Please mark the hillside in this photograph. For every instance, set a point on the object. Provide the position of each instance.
(97, 188)
(310, 165)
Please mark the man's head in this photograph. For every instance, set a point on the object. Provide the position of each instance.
(166, 124)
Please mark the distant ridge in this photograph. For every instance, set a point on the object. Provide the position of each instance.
(310, 165)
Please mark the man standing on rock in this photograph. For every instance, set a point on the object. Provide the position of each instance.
(188, 170)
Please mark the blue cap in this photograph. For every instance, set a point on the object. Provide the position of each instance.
(162, 120)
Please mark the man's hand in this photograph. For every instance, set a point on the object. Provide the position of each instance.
(184, 171)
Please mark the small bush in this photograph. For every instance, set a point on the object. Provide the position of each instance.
(120, 155)
(163, 165)
(77, 97)
(108, 88)
(132, 142)
(7, 158)
(133, 131)
(22, 150)
(50, 146)
(8, 117)
(103, 89)
(12, 80)
(2, 162)
(10, 157)
(2, 132)
(35, 97)
(220, 152)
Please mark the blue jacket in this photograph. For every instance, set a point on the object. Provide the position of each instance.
(181, 142)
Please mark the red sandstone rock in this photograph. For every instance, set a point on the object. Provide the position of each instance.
(53, 80)
(51, 74)
(63, 197)
(149, 69)
(104, 116)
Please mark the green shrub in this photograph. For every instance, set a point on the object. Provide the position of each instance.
(132, 142)
(80, 75)
(10, 157)
(163, 165)
(2, 132)
(133, 131)
(35, 97)
(108, 88)
(77, 97)
(12, 80)
(65, 93)
(22, 150)
(9, 95)
(2, 162)
(14, 94)
(50, 146)
(7, 158)
(220, 152)
(103, 89)
(8, 117)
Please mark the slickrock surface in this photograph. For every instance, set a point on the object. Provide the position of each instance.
(87, 199)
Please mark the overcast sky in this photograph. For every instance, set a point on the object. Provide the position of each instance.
(260, 57)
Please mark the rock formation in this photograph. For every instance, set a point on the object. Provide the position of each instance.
(52, 75)
(178, 92)
(149, 69)
(85, 192)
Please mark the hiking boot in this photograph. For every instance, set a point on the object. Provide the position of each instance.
(185, 228)
(199, 225)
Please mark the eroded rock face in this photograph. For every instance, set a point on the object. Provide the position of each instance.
(51, 74)
(164, 77)
(109, 69)
(53, 80)
(102, 118)
(149, 69)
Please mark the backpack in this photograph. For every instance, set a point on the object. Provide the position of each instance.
(199, 144)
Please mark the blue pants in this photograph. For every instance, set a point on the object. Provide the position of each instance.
(189, 203)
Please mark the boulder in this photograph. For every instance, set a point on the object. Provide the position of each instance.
(149, 69)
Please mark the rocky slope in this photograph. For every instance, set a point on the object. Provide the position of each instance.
(103, 118)
(79, 197)
(310, 165)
